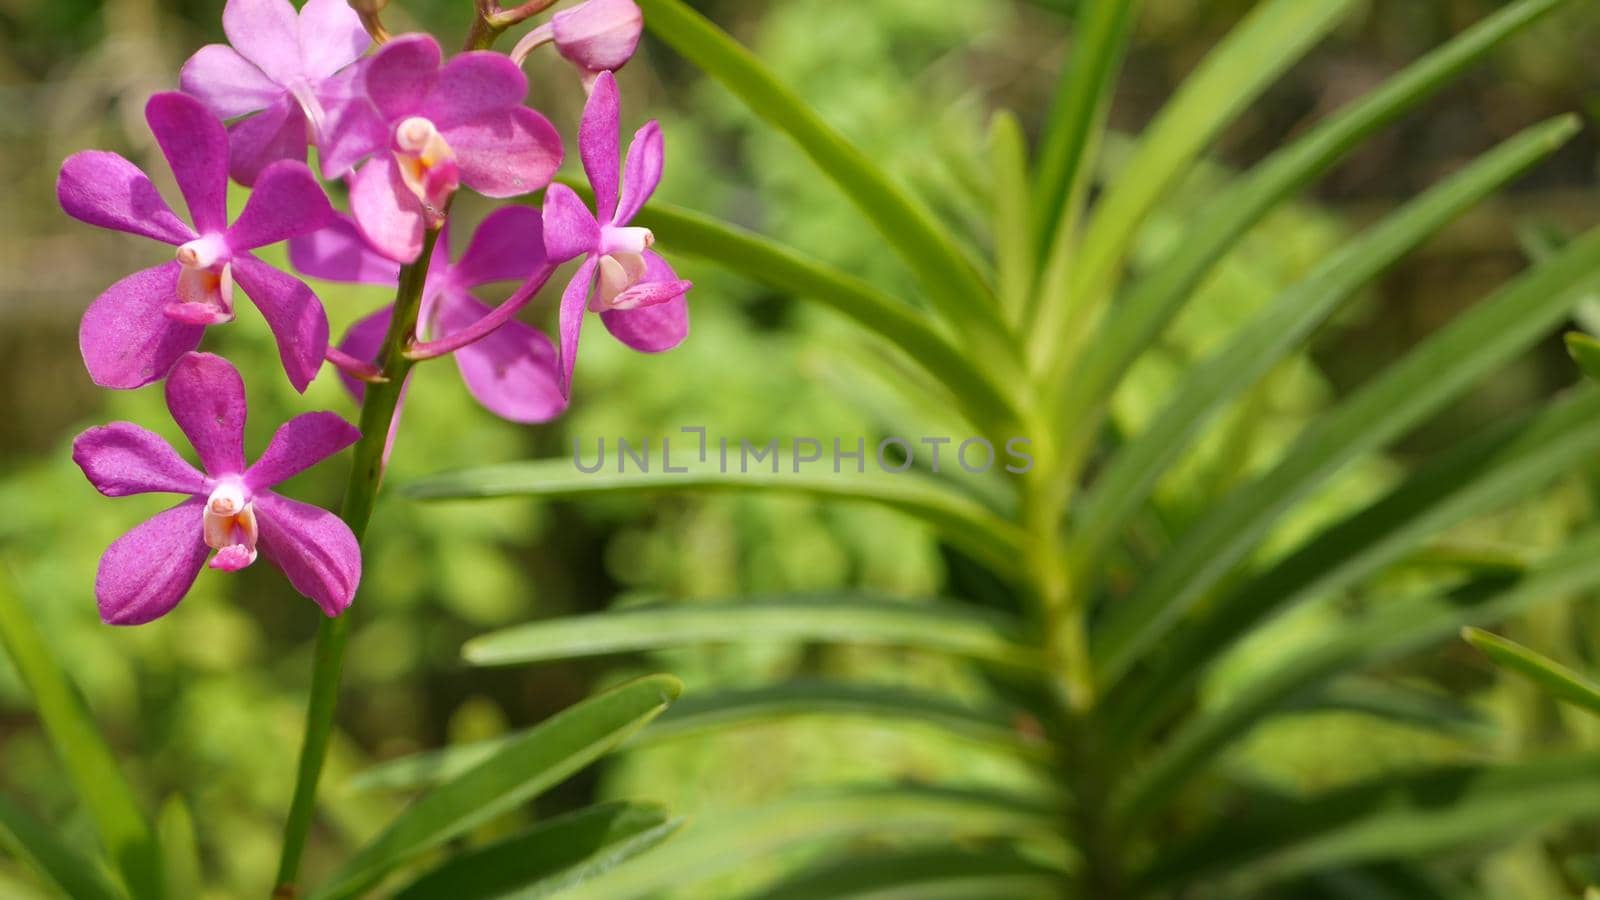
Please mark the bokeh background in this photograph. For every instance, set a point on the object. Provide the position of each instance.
(206, 704)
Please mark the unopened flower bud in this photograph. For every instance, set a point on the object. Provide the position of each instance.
(596, 36)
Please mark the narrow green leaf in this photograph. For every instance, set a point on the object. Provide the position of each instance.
(1397, 703)
(549, 858)
(924, 873)
(1552, 677)
(179, 850)
(1402, 817)
(1013, 235)
(34, 843)
(126, 835)
(1273, 37)
(713, 846)
(1393, 629)
(707, 712)
(1501, 465)
(1431, 375)
(1290, 319)
(1156, 299)
(1585, 351)
(946, 276)
(946, 628)
(516, 773)
(959, 519)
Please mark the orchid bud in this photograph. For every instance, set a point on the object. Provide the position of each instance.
(596, 36)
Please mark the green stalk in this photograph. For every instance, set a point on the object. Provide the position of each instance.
(366, 476)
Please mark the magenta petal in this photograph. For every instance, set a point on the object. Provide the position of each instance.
(121, 459)
(338, 252)
(196, 146)
(299, 444)
(287, 202)
(389, 215)
(512, 372)
(352, 129)
(227, 83)
(599, 143)
(266, 32)
(126, 339)
(472, 84)
(657, 327)
(642, 173)
(569, 229)
(506, 153)
(574, 303)
(144, 573)
(402, 73)
(599, 35)
(364, 341)
(508, 246)
(206, 398)
(313, 547)
(292, 311)
(276, 133)
(104, 189)
(331, 37)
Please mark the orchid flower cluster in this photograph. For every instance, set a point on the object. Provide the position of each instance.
(399, 130)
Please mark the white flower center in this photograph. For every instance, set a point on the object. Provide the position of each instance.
(229, 525)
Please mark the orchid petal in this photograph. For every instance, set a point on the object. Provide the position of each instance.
(292, 311)
(599, 144)
(338, 252)
(643, 172)
(196, 146)
(299, 444)
(331, 37)
(287, 202)
(574, 303)
(508, 246)
(389, 215)
(353, 129)
(315, 549)
(506, 153)
(657, 327)
(227, 83)
(364, 341)
(267, 33)
(121, 459)
(512, 371)
(402, 73)
(569, 229)
(276, 133)
(144, 573)
(126, 339)
(106, 190)
(472, 84)
(206, 398)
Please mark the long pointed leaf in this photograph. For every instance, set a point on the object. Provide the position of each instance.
(930, 873)
(1552, 677)
(516, 773)
(33, 842)
(1013, 234)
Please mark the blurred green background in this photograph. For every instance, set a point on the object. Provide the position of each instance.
(207, 702)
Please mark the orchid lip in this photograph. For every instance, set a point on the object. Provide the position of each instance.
(229, 525)
(427, 163)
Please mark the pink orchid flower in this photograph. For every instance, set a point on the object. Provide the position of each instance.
(229, 508)
(133, 333)
(596, 36)
(640, 299)
(508, 366)
(293, 75)
(434, 130)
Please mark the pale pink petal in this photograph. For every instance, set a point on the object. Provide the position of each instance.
(472, 84)
(402, 73)
(389, 215)
(506, 153)
(206, 398)
(331, 37)
(643, 171)
(196, 146)
(144, 573)
(126, 339)
(338, 252)
(658, 327)
(364, 341)
(227, 83)
(313, 547)
(121, 459)
(574, 303)
(267, 33)
(292, 311)
(599, 35)
(287, 202)
(508, 246)
(352, 128)
(299, 444)
(569, 229)
(599, 143)
(276, 133)
(512, 372)
(104, 189)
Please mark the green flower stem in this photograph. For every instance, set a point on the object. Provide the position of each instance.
(366, 476)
